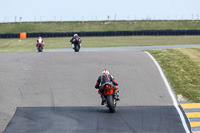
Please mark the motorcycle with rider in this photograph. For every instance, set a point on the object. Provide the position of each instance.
(108, 90)
(40, 44)
(76, 42)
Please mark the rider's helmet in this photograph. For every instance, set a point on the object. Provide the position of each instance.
(105, 71)
(75, 35)
(39, 37)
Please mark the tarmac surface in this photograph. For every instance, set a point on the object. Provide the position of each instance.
(54, 92)
(128, 48)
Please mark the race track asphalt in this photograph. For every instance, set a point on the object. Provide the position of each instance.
(54, 92)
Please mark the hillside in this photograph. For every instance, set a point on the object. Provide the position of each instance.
(78, 26)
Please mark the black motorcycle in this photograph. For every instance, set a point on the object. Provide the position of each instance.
(77, 44)
(40, 46)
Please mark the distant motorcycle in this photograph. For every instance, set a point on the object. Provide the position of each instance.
(40, 45)
(108, 91)
(76, 43)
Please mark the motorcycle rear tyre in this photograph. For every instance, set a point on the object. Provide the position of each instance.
(110, 102)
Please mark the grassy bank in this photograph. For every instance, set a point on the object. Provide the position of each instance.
(182, 68)
(77, 26)
(28, 45)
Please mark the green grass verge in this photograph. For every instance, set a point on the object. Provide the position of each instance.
(182, 68)
(77, 26)
(28, 45)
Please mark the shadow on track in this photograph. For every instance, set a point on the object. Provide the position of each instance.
(126, 119)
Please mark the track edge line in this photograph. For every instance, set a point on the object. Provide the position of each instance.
(170, 92)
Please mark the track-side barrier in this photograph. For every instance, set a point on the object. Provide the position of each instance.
(106, 33)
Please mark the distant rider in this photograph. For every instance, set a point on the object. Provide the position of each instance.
(75, 39)
(103, 78)
(40, 41)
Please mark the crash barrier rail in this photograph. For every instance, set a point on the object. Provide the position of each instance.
(107, 33)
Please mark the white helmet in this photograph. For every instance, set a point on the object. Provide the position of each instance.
(105, 71)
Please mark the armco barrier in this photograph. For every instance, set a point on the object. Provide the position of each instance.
(107, 33)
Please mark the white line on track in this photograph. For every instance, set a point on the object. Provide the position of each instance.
(171, 93)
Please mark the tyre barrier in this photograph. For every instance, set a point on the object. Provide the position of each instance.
(106, 33)
(13, 35)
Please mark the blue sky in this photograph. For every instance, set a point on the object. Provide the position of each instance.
(65, 10)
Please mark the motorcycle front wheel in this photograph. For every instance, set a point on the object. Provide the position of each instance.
(76, 49)
(40, 49)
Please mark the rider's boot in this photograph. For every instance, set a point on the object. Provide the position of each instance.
(116, 96)
(73, 46)
(103, 99)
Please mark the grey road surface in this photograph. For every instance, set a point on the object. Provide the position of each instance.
(54, 92)
(128, 48)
